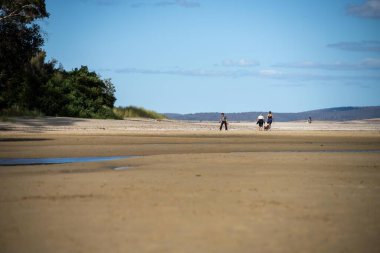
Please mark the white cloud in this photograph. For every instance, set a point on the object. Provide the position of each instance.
(368, 9)
(240, 63)
(270, 73)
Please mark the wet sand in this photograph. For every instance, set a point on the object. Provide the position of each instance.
(191, 190)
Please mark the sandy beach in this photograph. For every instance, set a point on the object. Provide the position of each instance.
(298, 188)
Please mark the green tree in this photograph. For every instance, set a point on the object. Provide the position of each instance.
(28, 82)
(78, 93)
(20, 40)
(37, 74)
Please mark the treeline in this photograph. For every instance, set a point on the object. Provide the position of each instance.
(30, 83)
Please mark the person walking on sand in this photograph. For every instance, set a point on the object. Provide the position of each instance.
(223, 121)
(260, 122)
(269, 119)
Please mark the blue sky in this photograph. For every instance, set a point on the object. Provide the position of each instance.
(187, 56)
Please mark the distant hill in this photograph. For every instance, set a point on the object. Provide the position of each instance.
(332, 114)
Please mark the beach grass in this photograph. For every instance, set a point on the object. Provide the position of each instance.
(137, 112)
(16, 111)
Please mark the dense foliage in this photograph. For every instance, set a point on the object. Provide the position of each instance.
(29, 83)
(77, 93)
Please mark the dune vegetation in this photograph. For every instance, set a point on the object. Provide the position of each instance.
(137, 112)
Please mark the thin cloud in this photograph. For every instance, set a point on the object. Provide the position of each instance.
(103, 70)
(358, 84)
(167, 3)
(366, 64)
(179, 72)
(264, 73)
(361, 46)
(270, 73)
(368, 9)
(240, 63)
(180, 3)
(101, 2)
(137, 5)
(106, 2)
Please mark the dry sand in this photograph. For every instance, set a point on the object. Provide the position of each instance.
(86, 126)
(298, 188)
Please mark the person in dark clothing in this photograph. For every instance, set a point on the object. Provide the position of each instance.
(269, 122)
(269, 118)
(223, 121)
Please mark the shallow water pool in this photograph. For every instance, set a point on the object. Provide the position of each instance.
(57, 160)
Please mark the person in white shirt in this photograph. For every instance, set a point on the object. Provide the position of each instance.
(260, 121)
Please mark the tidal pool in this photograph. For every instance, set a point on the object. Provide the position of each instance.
(56, 160)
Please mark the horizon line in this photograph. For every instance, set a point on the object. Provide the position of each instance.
(264, 111)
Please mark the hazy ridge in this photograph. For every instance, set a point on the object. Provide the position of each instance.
(333, 114)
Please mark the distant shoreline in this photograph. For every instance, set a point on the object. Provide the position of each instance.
(328, 114)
